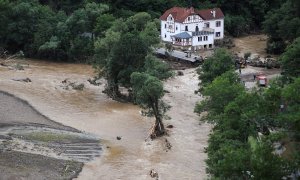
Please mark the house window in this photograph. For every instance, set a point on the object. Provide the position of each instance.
(218, 34)
(199, 38)
(176, 28)
(206, 25)
(189, 18)
(186, 28)
(205, 38)
(218, 23)
(165, 26)
(171, 18)
(197, 28)
(165, 36)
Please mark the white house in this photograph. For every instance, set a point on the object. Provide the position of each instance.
(187, 27)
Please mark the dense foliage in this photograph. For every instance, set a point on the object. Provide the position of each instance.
(67, 30)
(215, 66)
(282, 26)
(249, 125)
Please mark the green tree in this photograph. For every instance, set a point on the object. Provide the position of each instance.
(157, 68)
(103, 23)
(264, 163)
(5, 7)
(220, 93)
(147, 92)
(94, 11)
(127, 56)
(282, 26)
(236, 25)
(150, 34)
(290, 59)
(290, 117)
(219, 63)
(124, 52)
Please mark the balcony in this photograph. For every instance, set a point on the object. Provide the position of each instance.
(189, 43)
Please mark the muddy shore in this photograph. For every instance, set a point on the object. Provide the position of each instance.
(34, 147)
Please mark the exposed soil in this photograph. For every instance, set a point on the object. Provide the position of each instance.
(256, 44)
(19, 165)
(34, 147)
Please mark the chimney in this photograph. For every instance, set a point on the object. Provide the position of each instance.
(213, 13)
(192, 10)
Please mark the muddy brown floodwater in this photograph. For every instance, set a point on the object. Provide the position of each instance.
(91, 111)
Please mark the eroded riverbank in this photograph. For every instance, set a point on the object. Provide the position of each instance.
(34, 147)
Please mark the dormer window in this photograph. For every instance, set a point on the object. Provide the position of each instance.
(171, 18)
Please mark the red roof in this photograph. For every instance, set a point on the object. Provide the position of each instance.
(180, 13)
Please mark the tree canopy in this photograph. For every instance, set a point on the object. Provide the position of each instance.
(67, 30)
(214, 66)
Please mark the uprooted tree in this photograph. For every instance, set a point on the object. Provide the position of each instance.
(148, 91)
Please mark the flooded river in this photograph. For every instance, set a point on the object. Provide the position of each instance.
(92, 111)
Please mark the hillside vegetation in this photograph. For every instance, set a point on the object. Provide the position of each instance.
(67, 30)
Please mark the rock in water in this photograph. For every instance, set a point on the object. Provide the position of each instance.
(119, 137)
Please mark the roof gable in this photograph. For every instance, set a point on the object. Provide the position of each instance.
(180, 14)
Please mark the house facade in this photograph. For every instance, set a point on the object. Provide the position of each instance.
(196, 29)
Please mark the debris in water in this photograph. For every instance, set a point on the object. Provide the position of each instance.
(23, 80)
(153, 174)
(168, 145)
(170, 126)
(66, 84)
(180, 73)
(119, 137)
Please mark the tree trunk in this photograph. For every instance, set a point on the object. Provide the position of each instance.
(159, 128)
(112, 89)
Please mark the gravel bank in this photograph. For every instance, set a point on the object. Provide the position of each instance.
(34, 147)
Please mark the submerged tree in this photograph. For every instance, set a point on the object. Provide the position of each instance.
(148, 91)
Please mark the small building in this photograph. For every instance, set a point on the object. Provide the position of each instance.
(192, 29)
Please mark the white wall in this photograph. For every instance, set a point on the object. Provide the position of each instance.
(164, 31)
(212, 24)
(210, 40)
(191, 28)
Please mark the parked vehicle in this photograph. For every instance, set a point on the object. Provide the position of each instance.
(261, 80)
